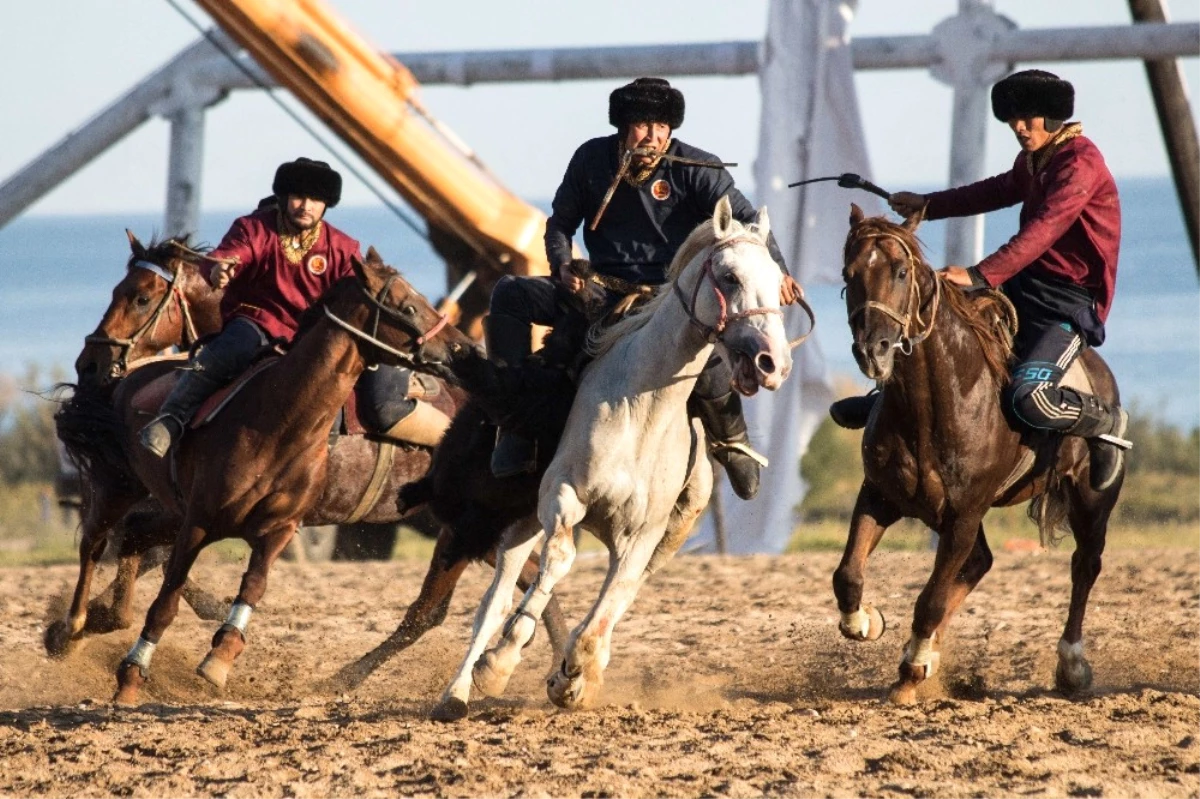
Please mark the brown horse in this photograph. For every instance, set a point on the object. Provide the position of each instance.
(273, 459)
(938, 448)
(162, 301)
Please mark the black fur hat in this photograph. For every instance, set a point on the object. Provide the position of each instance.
(308, 178)
(646, 100)
(1033, 93)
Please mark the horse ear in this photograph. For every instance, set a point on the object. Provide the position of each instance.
(911, 222)
(373, 257)
(360, 270)
(135, 245)
(856, 215)
(723, 218)
(763, 222)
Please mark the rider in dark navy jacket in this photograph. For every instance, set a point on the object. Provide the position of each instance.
(631, 241)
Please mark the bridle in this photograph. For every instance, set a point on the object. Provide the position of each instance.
(910, 318)
(125, 345)
(418, 338)
(714, 333)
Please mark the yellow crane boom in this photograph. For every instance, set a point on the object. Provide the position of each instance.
(370, 100)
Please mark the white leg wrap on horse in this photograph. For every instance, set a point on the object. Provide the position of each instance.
(920, 652)
(141, 654)
(239, 617)
(858, 622)
(1072, 653)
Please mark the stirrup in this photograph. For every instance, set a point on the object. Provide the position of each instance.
(738, 446)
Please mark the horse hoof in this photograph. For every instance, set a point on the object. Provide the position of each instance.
(215, 670)
(1074, 678)
(572, 693)
(876, 626)
(903, 693)
(129, 683)
(57, 639)
(449, 709)
(487, 679)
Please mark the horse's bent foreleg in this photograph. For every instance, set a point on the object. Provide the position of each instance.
(135, 667)
(426, 612)
(102, 512)
(871, 517)
(577, 684)
(957, 541)
(1089, 524)
(492, 671)
(230, 638)
(516, 544)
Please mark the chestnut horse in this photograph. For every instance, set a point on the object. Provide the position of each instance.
(162, 301)
(259, 474)
(938, 448)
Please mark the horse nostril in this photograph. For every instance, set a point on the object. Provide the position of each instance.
(882, 347)
(765, 363)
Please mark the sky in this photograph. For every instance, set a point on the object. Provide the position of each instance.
(66, 60)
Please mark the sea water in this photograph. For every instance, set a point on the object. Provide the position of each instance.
(57, 273)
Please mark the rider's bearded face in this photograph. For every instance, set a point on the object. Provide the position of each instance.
(1031, 133)
(653, 135)
(303, 213)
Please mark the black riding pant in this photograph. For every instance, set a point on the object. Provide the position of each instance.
(1033, 397)
(533, 300)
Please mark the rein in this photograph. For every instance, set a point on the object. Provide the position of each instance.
(126, 345)
(410, 359)
(715, 333)
(911, 317)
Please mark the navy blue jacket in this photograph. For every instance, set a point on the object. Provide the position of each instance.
(642, 228)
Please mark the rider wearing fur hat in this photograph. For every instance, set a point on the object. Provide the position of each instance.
(1059, 270)
(273, 264)
(661, 189)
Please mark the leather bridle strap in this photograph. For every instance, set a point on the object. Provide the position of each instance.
(715, 333)
(912, 314)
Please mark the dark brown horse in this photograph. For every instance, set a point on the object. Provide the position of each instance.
(162, 301)
(938, 447)
(272, 457)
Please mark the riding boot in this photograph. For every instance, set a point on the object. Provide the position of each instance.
(508, 343)
(729, 444)
(188, 394)
(1104, 428)
(852, 413)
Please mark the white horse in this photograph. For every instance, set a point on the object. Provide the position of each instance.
(631, 467)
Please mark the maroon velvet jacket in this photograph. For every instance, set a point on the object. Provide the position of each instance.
(266, 288)
(1070, 220)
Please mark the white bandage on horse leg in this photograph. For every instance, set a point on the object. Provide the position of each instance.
(858, 622)
(920, 652)
(1072, 653)
(141, 654)
(239, 617)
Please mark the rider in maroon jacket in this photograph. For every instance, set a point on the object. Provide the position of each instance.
(276, 263)
(1059, 270)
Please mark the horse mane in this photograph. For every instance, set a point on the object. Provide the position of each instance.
(164, 250)
(987, 314)
(601, 340)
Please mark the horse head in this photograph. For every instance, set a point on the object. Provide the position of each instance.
(162, 301)
(742, 299)
(394, 323)
(886, 279)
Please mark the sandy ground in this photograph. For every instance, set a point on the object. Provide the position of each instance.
(728, 678)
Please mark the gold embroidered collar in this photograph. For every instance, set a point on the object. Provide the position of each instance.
(296, 245)
(1037, 160)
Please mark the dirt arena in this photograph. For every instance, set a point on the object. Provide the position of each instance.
(728, 678)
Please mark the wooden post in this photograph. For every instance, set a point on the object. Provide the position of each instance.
(1179, 130)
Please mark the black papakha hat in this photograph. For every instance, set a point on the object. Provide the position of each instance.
(1033, 93)
(646, 100)
(305, 177)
